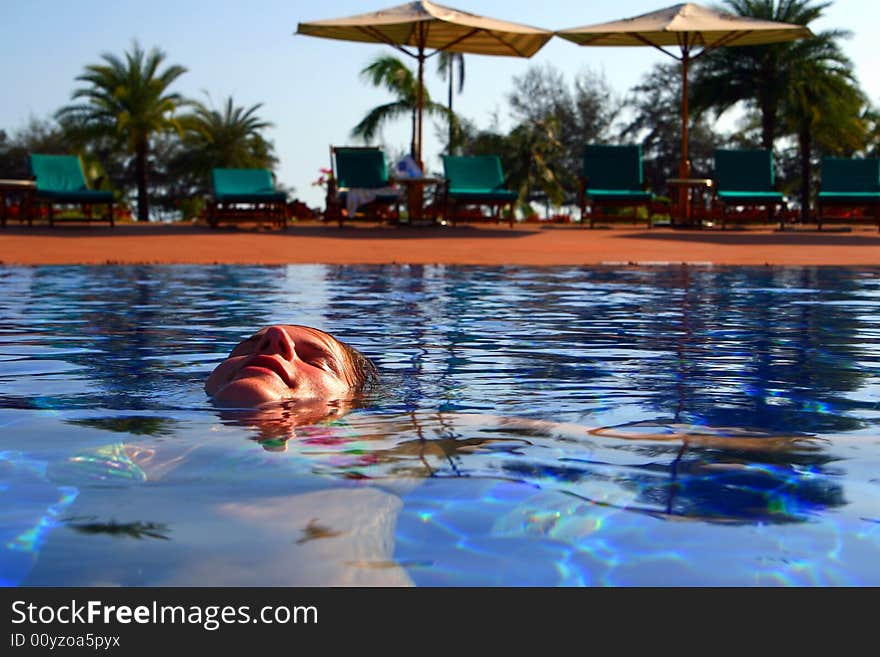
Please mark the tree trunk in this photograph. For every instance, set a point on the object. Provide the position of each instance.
(412, 143)
(451, 75)
(143, 213)
(805, 143)
(768, 101)
(768, 123)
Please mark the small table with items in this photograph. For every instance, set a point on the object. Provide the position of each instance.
(691, 201)
(417, 213)
(25, 190)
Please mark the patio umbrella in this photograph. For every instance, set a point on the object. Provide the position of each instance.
(416, 27)
(690, 27)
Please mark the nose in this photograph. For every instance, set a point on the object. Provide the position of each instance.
(275, 340)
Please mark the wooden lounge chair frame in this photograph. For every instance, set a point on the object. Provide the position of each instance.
(475, 180)
(361, 167)
(849, 183)
(745, 178)
(60, 180)
(246, 195)
(612, 176)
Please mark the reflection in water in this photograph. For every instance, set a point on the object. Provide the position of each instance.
(138, 530)
(535, 426)
(314, 530)
(701, 473)
(273, 425)
(137, 425)
(666, 472)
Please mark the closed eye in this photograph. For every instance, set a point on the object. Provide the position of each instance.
(322, 363)
(317, 356)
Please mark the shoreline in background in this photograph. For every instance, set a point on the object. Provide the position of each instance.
(526, 244)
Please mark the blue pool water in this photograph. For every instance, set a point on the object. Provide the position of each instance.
(536, 426)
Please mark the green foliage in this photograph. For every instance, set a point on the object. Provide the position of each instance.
(559, 120)
(38, 136)
(871, 120)
(760, 76)
(542, 153)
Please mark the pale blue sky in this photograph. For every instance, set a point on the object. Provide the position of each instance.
(310, 88)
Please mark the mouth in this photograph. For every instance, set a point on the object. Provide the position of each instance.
(270, 364)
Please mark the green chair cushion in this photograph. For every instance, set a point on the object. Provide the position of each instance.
(613, 167)
(618, 194)
(850, 197)
(58, 174)
(748, 196)
(476, 173)
(363, 168)
(850, 175)
(477, 194)
(242, 183)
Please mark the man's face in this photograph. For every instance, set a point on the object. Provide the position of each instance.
(282, 362)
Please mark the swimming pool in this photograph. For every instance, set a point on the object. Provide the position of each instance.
(538, 426)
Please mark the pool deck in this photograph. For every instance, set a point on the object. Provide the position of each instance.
(471, 244)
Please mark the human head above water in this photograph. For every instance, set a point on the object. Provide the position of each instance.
(290, 362)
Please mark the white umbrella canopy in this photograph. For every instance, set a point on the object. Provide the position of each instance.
(425, 25)
(690, 27)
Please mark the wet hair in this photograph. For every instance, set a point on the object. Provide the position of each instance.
(364, 374)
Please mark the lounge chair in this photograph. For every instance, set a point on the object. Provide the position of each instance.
(360, 184)
(745, 178)
(849, 183)
(60, 180)
(246, 195)
(612, 176)
(475, 180)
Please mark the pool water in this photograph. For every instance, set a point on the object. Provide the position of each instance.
(656, 426)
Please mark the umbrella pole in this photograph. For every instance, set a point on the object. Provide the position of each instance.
(684, 167)
(420, 102)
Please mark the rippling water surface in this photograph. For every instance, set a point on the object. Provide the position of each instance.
(536, 426)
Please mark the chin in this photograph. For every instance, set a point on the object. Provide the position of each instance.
(247, 394)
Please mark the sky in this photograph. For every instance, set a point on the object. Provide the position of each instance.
(309, 88)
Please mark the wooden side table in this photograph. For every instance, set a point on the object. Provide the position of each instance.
(27, 190)
(694, 208)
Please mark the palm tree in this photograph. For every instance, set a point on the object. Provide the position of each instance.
(822, 106)
(447, 62)
(230, 138)
(760, 75)
(389, 72)
(128, 99)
